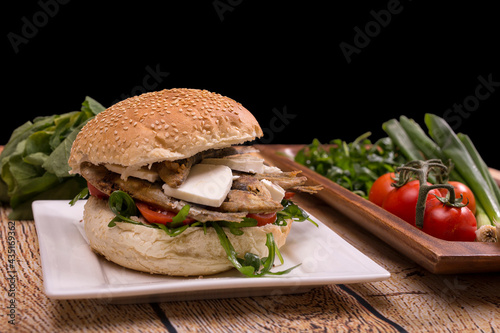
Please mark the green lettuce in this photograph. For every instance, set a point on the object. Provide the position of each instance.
(34, 162)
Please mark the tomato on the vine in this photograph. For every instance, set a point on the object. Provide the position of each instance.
(380, 188)
(465, 191)
(449, 223)
(402, 201)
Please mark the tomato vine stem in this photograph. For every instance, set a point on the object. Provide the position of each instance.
(422, 170)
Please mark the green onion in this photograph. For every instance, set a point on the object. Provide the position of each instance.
(401, 139)
(485, 230)
(480, 164)
(454, 149)
(427, 146)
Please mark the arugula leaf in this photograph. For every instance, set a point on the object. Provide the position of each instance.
(251, 265)
(354, 165)
(231, 252)
(235, 227)
(181, 216)
(83, 194)
(123, 206)
(291, 212)
(121, 203)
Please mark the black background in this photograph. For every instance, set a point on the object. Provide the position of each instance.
(284, 56)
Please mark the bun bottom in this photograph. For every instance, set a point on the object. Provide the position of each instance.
(151, 250)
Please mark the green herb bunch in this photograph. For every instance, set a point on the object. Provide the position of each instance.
(354, 165)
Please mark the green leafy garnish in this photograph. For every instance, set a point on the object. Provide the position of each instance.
(291, 212)
(251, 265)
(235, 227)
(83, 194)
(354, 165)
(34, 162)
(180, 217)
(123, 206)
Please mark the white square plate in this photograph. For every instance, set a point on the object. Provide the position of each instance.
(71, 270)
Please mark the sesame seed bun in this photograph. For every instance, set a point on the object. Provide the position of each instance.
(191, 253)
(164, 125)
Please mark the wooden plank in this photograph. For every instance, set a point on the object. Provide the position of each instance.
(413, 299)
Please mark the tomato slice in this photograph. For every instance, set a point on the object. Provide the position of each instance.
(263, 219)
(156, 215)
(94, 191)
(288, 195)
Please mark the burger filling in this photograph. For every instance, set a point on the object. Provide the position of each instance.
(227, 187)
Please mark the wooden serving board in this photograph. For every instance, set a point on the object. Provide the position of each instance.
(436, 255)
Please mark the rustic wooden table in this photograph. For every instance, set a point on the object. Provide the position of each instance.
(411, 300)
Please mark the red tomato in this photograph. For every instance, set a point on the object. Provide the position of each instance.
(449, 223)
(380, 188)
(96, 192)
(263, 219)
(402, 201)
(463, 189)
(288, 195)
(155, 215)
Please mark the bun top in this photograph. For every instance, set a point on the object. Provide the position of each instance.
(164, 125)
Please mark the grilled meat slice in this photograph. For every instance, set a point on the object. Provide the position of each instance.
(290, 181)
(151, 193)
(238, 200)
(174, 173)
(249, 194)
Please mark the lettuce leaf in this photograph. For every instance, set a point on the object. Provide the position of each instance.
(34, 162)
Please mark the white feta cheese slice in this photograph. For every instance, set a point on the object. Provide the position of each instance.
(243, 162)
(206, 184)
(142, 173)
(277, 192)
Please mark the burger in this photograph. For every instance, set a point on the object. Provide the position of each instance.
(174, 191)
